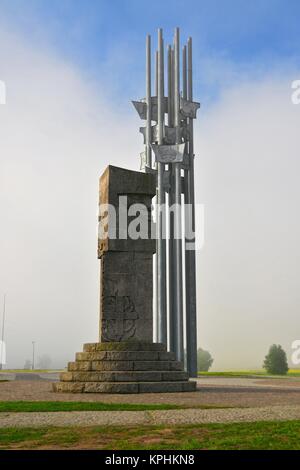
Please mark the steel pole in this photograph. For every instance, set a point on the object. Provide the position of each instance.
(161, 221)
(170, 87)
(185, 189)
(171, 202)
(184, 73)
(178, 304)
(191, 305)
(3, 328)
(156, 214)
(149, 104)
(33, 345)
(156, 73)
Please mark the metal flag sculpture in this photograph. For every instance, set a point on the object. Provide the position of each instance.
(172, 142)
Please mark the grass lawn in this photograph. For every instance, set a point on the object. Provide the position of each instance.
(44, 406)
(260, 435)
(249, 373)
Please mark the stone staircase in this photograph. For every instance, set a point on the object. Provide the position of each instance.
(124, 367)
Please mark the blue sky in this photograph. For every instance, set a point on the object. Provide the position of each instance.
(233, 39)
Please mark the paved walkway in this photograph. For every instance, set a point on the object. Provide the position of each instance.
(169, 417)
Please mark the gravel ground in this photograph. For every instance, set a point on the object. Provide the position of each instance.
(127, 418)
(220, 392)
(253, 399)
(261, 382)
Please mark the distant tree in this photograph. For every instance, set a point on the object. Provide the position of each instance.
(276, 361)
(204, 360)
(44, 362)
(27, 364)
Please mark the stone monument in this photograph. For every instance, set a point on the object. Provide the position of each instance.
(125, 360)
(126, 264)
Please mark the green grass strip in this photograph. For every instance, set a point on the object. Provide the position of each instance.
(283, 435)
(47, 406)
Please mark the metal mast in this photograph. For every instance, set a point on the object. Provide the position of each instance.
(178, 288)
(190, 261)
(161, 201)
(3, 328)
(33, 355)
(171, 140)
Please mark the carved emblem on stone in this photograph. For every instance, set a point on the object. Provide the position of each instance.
(119, 323)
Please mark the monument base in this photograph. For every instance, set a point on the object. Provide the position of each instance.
(124, 367)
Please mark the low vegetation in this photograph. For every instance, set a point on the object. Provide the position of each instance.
(204, 360)
(276, 360)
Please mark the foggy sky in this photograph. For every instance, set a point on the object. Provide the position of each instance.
(57, 135)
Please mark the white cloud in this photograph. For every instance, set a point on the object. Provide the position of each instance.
(248, 170)
(57, 135)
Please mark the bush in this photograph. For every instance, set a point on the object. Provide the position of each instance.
(204, 360)
(276, 361)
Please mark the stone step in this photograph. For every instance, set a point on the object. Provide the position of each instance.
(126, 356)
(129, 376)
(124, 365)
(124, 387)
(124, 346)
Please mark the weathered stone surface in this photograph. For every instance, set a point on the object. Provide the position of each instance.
(132, 356)
(66, 376)
(166, 356)
(126, 297)
(118, 356)
(124, 346)
(128, 367)
(68, 387)
(126, 262)
(176, 365)
(116, 376)
(111, 387)
(91, 356)
(174, 375)
(160, 387)
(151, 365)
(124, 387)
(101, 372)
(82, 365)
(190, 386)
(112, 365)
(138, 376)
(87, 376)
(138, 188)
